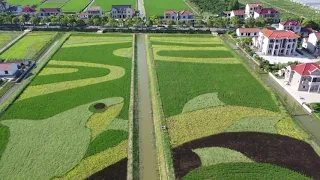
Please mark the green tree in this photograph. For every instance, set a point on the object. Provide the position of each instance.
(34, 20)
(158, 21)
(310, 23)
(260, 22)
(179, 23)
(189, 23)
(22, 19)
(235, 21)
(170, 22)
(234, 5)
(80, 22)
(128, 22)
(246, 41)
(210, 22)
(149, 22)
(15, 20)
(249, 22)
(96, 21)
(64, 21)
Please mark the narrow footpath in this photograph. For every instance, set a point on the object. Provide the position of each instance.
(147, 151)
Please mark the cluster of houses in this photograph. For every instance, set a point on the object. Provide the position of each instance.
(254, 10)
(117, 11)
(183, 16)
(284, 40)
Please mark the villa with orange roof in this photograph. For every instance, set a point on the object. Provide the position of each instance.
(276, 42)
(303, 77)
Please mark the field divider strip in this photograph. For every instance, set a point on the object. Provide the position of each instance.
(165, 164)
(131, 113)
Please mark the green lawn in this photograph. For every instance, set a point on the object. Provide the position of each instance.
(62, 132)
(158, 7)
(106, 5)
(28, 46)
(7, 36)
(75, 5)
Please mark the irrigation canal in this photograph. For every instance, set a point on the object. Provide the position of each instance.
(147, 150)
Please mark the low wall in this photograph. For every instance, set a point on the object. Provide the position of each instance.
(291, 94)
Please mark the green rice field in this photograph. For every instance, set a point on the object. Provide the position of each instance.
(29, 46)
(106, 5)
(72, 120)
(7, 36)
(223, 122)
(75, 5)
(158, 7)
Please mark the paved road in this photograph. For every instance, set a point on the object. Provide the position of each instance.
(17, 86)
(141, 8)
(147, 149)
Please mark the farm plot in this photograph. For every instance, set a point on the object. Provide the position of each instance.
(74, 115)
(7, 36)
(157, 8)
(75, 5)
(106, 5)
(24, 2)
(29, 46)
(53, 4)
(287, 8)
(222, 122)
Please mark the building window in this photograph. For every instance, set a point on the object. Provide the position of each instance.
(276, 47)
(241, 34)
(304, 78)
(303, 87)
(6, 72)
(255, 33)
(314, 80)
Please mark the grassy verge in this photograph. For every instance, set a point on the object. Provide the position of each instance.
(6, 88)
(27, 81)
(132, 139)
(166, 169)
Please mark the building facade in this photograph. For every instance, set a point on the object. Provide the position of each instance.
(247, 32)
(276, 42)
(46, 12)
(251, 8)
(268, 13)
(312, 44)
(182, 16)
(8, 69)
(303, 77)
(238, 13)
(122, 11)
(94, 11)
(294, 26)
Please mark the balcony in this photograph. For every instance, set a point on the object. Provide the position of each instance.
(314, 83)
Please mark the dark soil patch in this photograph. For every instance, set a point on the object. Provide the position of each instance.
(117, 171)
(99, 106)
(260, 147)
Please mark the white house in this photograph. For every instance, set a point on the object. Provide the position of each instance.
(247, 32)
(268, 13)
(251, 8)
(238, 13)
(304, 77)
(294, 26)
(94, 11)
(122, 11)
(312, 44)
(182, 16)
(8, 69)
(46, 12)
(276, 42)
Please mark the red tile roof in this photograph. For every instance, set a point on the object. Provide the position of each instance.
(170, 11)
(251, 5)
(50, 10)
(305, 69)
(249, 30)
(185, 12)
(239, 12)
(267, 11)
(279, 34)
(291, 23)
(317, 35)
(28, 9)
(5, 66)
